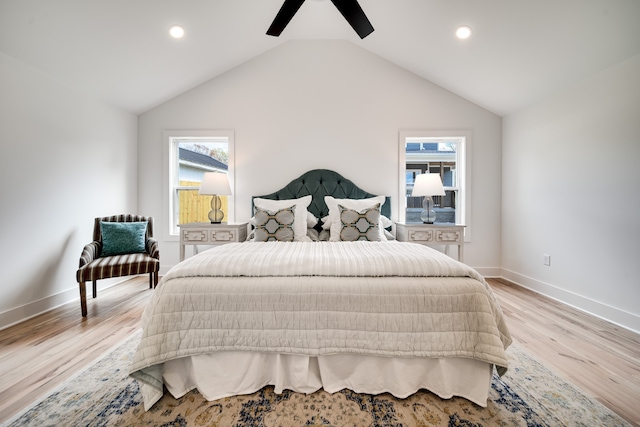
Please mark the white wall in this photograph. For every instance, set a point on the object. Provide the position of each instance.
(65, 159)
(571, 187)
(323, 104)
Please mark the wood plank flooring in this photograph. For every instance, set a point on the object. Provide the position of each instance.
(41, 353)
(600, 358)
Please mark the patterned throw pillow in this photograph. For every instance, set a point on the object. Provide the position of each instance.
(274, 225)
(360, 225)
(300, 225)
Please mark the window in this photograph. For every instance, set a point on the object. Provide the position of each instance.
(434, 152)
(191, 154)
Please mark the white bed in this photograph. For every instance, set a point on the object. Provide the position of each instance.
(305, 315)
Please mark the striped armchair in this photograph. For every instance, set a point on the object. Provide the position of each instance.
(94, 266)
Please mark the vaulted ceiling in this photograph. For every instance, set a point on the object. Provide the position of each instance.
(120, 51)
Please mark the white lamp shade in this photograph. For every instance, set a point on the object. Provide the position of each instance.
(215, 183)
(428, 184)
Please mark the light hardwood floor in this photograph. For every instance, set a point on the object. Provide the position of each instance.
(41, 353)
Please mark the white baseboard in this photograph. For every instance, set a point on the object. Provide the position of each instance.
(35, 308)
(489, 271)
(613, 315)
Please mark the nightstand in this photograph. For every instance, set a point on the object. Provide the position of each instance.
(204, 233)
(433, 234)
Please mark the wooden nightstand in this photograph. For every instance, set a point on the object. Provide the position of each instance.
(204, 233)
(433, 234)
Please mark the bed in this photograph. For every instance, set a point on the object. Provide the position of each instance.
(298, 308)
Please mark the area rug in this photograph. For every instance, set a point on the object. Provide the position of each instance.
(104, 395)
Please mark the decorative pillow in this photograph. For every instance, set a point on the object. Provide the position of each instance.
(385, 222)
(356, 204)
(326, 223)
(123, 237)
(313, 234)
(360, 225)
(300, 221)
(312, 221)
(324, 236)
(274, 225)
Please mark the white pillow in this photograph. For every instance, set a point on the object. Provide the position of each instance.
(355, 204)
(300, 214)
(311, 220)
(386, 222)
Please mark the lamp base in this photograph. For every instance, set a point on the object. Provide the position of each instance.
(428, 215)
(215, 214)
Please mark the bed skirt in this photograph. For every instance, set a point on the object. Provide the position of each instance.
(232, 373)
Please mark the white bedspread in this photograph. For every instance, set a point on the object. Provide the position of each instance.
(358, 259)
(386, 298)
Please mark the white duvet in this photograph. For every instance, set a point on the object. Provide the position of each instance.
(390, 299)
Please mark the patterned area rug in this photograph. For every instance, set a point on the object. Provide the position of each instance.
(104, 395)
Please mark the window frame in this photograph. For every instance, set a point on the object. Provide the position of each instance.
(463, 172)
(170, 144)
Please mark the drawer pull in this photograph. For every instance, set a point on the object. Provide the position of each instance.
(195, 236)
(448, 236)
(421, 236)
(222, 236)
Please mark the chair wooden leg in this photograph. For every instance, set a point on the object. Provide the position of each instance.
(95, 288)
(155, 279)
(83, 298)
(151, 280)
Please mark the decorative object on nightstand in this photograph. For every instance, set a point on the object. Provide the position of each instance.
(427, 185)
(433, 235)
(215, 184)
(202, 233)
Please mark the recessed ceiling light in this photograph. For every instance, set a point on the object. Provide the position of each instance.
(463, 32)
(176, 31)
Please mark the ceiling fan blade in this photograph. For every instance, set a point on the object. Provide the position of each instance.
(288, 9)
(355, 16)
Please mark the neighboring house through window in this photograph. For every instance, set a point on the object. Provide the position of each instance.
(191, 154)
(443, 153)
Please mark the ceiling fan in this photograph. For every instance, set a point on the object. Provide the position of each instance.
(350, 9)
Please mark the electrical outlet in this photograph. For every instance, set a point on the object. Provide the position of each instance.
(546, 259)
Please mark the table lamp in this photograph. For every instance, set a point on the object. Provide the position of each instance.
(215, 184)
(427, 185)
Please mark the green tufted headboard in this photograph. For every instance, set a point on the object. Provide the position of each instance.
(320, 183)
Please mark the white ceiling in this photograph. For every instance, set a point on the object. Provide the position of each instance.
(521, 50)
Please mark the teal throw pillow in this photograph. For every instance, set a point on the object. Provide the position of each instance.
(123, 237)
